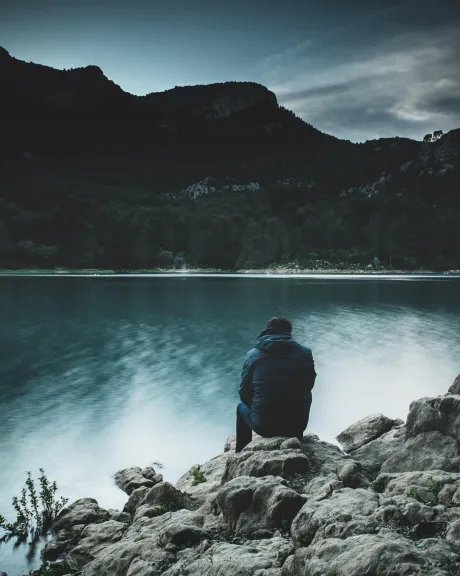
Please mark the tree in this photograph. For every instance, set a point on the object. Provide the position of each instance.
(428, 138)
(437, 134)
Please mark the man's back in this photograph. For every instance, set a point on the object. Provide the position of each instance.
(277, 379)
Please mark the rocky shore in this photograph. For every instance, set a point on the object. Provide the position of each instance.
(388, 504)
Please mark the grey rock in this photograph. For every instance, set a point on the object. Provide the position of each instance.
(78, 558)
(95, 537)
(151, 474)
(325, 458)
(130, 479)
(250, 505)
(134, 500)
(259, 463)
(455, 388)
(83, 511)
(366, 430)
(441, 414)
(213, 471)
(344, 505)
(322, 487)
(118, 516)
(425, 451)
(256, 558)
(372, 455)
(352, 477)
(149, 511)
(373, 554)
(291, 444)
(453, 534)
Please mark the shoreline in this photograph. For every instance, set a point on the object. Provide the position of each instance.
(281, 272)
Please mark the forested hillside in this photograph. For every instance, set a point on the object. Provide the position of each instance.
(211, 176)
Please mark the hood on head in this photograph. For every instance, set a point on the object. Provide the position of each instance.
(269, 342)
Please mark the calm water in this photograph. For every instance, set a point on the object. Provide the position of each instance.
(101, 373)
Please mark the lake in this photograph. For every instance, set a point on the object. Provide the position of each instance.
(100, 373)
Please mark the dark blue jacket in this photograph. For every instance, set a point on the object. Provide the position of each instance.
(276, 382)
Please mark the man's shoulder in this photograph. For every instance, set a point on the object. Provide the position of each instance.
(253, 354)
(303, 350)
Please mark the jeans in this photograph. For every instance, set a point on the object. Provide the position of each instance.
(245, 426)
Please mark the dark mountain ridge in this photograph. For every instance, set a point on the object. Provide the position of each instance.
(81, 160)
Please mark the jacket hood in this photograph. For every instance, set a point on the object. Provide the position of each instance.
(269, 342)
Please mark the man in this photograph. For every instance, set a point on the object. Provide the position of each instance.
(276, 383)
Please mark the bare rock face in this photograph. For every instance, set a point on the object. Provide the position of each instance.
(260, 463)
(373, 454)
(253, 504)
(366, 430)
(130, 479)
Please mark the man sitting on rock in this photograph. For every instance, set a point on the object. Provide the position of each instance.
(276, 383)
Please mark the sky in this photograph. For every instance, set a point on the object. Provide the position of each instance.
(358, 69)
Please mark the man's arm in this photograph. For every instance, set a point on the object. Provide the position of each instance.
(312, 371)
(246, 392)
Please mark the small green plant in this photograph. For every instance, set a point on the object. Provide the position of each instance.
(198, 475)
(35, 511)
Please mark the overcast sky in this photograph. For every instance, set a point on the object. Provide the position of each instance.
(358, 69)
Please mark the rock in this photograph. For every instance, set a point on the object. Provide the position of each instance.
(213, 472)
(130, 479)
(322, 487)
(134, 500)
(325, 458)
(425, 451)
(352, 477)
(441, 414)
(259, 463)
(95, 537)
(263, 444)
(366, 430)
(453, 534)
(78, 558)
(145, 540)
(455, 388)
(344, 506)
(230, 444)
(256, 558)
(372, 554)
(149, 511)
(372, 455)
(83, 511)
(291, 444)
(151, 474)
(250, 505)
(118, 516)
(182, 535)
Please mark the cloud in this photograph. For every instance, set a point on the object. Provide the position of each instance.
(406, 85)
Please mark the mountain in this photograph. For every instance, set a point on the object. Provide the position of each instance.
(216, 175)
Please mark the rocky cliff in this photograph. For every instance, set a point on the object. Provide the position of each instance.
(387, 504)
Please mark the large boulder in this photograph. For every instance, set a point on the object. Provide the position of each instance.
(325, 458)
(130, 479)
(426, 451)
(372, 455)
(441, 414)
(84, 511)
(251, 505)
(382, 554)
(257, 558)
(163, 494)
(366, 430)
